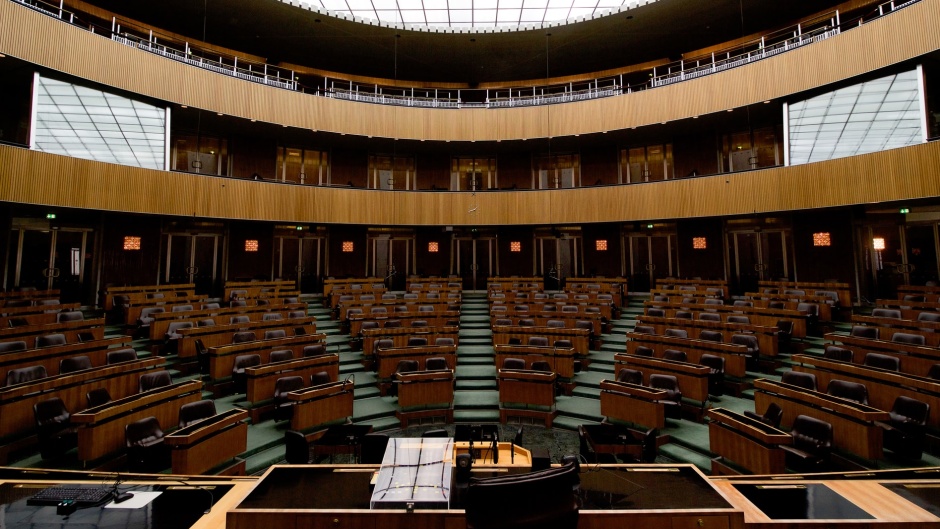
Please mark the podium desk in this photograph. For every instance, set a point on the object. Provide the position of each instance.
(341, 439)
(510, 454)
(208, 443)
(746, 443)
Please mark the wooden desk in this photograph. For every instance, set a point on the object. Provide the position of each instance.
(71, 330)
(510, 454)
(515, 283)
(745, 442)
(792, 302)
(207, 444)
(261, 289)
(541, 319)
(221, 316)
(16, 402)
(224, 334)
(633, 403)
(915, 360)
(133, 311)
(400, 336)
(318, 405)
(526, 388)
(853, 425)
(537, 307)
(331, 284)
(139, 292)
(434, 319)
(842, 289)
(222, 357)
(767, 340)
(262, 379)
(930, 330)
(666, 282)
(757, 315)
(414, 298)
(883, 386)
(579, 338)
(425, 394)
(931, 294)
(692, 378)
(387, 359)
(49, 357)
(29, 294)
(439, 305)
(735, 355)
(35, 315)
(910, 310)
(560, 359)
(101, 429)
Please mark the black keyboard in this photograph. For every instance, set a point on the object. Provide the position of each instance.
(82, 496)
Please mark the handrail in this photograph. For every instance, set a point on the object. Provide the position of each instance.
(769, 45)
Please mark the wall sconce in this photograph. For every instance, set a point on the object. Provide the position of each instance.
(347, 246)
(601, 245)
(515, 246)
(131, 243)
(878, 243)
(699, 243)
(822, 239)
(433, 247)
(251, 245)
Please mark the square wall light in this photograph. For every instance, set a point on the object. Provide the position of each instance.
(251, 245)
(699, 243)
(822, 239)
(433, 247)
(515, 246)
(347, 246)
(131, 243)
(601, 245)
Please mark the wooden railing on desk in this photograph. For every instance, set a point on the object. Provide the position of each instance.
(930, 330)
(387, 359)
(746, 442)
(560, 359)
(139, 292)
(931, 294)
(633, 403)
(222, 357)
(120, 379)
(319, 405)
(853, 425)
(49, 357)
(224, 334)
(433, 286)
(261, 289)
(704, 283)
(101, 430)
(36, 315)
(791, 302)
(332, 300)
(70, 329)
(767, 340)
(527, 388)
(676, 296)
(910, 310)
(421, 298)
(510, 454)
(515, 283)
(400, 336)
(914, 359)
(541, 319)
(579, 338)
(883, 386)
(757, 315)
(133, 311)
(440, 305)
(330, 284)
(842, 289)
(692, 378)
(735, 355)
(209, 443)
(537, 307)
(222, 315)
(425, 394)
(434, 319)
(262, 379)
(29, 294)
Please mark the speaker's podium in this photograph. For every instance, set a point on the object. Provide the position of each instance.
(415, 474)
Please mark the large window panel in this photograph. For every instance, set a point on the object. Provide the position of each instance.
(873, 116)
(87, 123)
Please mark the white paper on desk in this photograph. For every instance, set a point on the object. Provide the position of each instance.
(140, 499)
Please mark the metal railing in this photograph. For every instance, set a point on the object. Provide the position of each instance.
(770, 45)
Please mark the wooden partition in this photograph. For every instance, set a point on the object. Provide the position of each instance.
(541, 320)
(931, 294)
(633, 403)
(28, 294)
(401, 335)
(93, 328)
(757, 315)
(101, 429)
(910, 310)
(221, 316)
(560, 359)
(209, 443)
(853, 425)
(915, 360)
(508, 335)
(332, 283)
(793, 302)
(262, 379)
(842, 289)
(439, 305)
(674, 283)
(692, 378)
(222, 357)
(261, 289)
(317, 406)
(34, 315)
(387, 359)
(521, 389)
(49, 357)
(433, 285)
(766, 334)
(746, 443)
(224, 334)
(425, 394)
(515, 283)
(538, 306)
(138, 293)
(930, 330)
(435, 319)
(735, 355)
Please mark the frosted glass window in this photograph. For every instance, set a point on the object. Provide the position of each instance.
(868, 117)
(87, 123)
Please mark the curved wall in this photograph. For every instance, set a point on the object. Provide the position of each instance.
(39, 39)
(37, 178)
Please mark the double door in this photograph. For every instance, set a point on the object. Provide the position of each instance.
(192, 258)
(648, 258)
(46, 258)
(759, 255)
(300, 259)
(475, 260)
(392, 258)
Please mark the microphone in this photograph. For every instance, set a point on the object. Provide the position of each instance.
(495, 449)
(471, 448)
(512, 451)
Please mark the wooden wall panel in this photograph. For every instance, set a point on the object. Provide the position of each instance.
(38, 178)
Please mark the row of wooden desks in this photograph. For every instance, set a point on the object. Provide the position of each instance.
(735, 355)
(756, 315)
(914, 359)
(766, 335)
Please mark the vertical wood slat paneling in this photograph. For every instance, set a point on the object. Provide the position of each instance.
(39, 39)
(37, 178)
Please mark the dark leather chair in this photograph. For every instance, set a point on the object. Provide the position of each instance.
(676, 355)
(709, 316)
(146, 451)
(202, 356)
(555, 324)
(834, 352)
(283, 407)
(372, 449)
(673, 398)
(784, 332)
(97, 397)
(541, 365)
(435, 363)
(848, 390)
(49, 340)
(296, 448)
(314, 350)
(526, 322)
(711, 336)
(812, 444)
(739, 319)
(750, 342)
(56, 436)
(803, 380)
(419, 323)
(239, 379)
(891, 363)
(319, 378)
(905, 431)
(7, 347)
(281, 355)
(656, 313)
(272, 316)
(908, 338)
(121, 355)
(513, 363)
(864, 331)
(238, 303)
(493, 503)
(210, 306)
(630, 376)
(75, 363)
(157, 379)
(934, 372)
(297, 314)
(74, 315)
(716, 373)
(743, 303)
(181, 308)
(25, 374)
(239, 319)
(886, 313)
(676, 333)
(172, 336)
(146, 318)
(538, 341)
(244, 336)
(643, 351)
(275, 334)
(404, 366)
(644, 329)
(772, 415)
(417, 341)
(443, 340)
(193, 412)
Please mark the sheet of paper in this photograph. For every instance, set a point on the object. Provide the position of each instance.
(140, 499)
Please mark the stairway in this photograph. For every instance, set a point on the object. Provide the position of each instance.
(476, 398)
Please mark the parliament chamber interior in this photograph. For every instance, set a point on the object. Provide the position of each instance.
(527, 263)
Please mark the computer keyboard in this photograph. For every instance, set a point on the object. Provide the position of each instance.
(82, 496)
